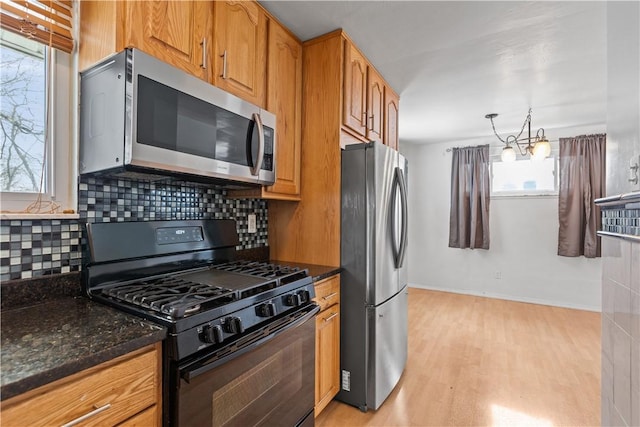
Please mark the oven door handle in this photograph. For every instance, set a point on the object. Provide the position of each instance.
(209, 362)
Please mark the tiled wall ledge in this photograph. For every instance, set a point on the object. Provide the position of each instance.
(621, 216)
(10, 216)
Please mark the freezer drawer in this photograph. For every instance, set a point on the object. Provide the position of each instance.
(388, 347)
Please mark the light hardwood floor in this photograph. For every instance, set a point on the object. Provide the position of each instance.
(479, 361)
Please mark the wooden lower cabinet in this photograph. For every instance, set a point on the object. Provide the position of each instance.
(327, 342)
(124, 391)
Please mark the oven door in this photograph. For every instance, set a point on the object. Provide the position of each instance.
(264, 379)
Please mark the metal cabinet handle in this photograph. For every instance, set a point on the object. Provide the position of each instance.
(331, 317)
(224, 64)
(330, 296)
(87, 415)
(371, 117)
(204, 54)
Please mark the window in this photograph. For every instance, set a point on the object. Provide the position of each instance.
(524, 177)
(35, 155)
(23, 120)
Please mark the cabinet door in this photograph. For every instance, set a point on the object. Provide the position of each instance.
(327, 356)
(103, 395)
(354, 107)
(240, 33)
(391, 109)
(375, 105)
(177, 32)
(284, 98)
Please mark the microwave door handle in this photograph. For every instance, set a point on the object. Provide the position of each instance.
(255, 170)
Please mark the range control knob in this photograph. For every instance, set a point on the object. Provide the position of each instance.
(304, 296)
(266, 310)
(233, 325)
(293, 300)
(212, 334)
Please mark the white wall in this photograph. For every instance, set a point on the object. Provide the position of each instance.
(623, 95)
(523, 243)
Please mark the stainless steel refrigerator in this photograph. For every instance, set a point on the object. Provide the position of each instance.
(373, 309)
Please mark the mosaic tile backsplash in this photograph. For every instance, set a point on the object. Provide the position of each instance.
(32, 248)
(621, 220)
(38, 247)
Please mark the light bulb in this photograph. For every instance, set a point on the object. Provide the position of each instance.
(508, 154)
(542, 149)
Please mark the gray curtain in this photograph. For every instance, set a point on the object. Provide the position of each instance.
(470, 192)
(582, 180)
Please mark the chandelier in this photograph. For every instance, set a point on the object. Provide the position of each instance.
(538, 146)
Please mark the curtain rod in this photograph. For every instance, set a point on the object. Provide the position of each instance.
(448, 150)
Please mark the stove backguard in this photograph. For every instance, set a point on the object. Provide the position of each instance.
(127, 251)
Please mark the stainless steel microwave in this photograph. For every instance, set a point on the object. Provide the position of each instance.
(139, 114)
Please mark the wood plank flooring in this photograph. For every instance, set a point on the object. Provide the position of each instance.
(479, 361)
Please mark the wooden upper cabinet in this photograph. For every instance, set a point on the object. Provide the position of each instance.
(364, 105)
(240, 37)
(354, 108)
(284, 99)
(391, 109)
(177, 32)
(375, 105)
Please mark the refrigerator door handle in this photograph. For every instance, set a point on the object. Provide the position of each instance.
(402, 184)
(396, 248)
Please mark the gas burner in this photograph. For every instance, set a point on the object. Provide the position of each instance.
(171, 295)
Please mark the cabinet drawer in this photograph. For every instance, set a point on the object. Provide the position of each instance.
(327, 292)
(113, 392)
(148, 418)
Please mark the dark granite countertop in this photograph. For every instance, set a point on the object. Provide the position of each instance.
(318, 272)
(59, 337)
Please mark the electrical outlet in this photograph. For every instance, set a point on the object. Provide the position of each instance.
(252, 223)
(498, 275)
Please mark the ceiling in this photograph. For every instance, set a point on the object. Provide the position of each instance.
(452, 62)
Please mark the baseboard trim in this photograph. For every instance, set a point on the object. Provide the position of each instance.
(507, 297)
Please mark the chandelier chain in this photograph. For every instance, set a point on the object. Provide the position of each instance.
(526, 120)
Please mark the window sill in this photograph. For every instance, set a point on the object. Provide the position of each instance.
(524, 196)
(27, 216)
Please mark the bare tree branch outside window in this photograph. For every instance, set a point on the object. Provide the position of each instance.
(22, 118)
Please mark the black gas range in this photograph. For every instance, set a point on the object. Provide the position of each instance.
(225, 317)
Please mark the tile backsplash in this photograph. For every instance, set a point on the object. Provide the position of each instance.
(31, 248)
(621, 220)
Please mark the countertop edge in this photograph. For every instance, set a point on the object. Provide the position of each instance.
(326, 275)
(35, 381)
(316, 271)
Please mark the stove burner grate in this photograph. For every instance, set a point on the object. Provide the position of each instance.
(173, 296)
(259, 269)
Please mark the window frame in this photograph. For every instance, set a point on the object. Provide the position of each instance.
(61, 164)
